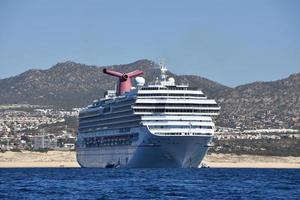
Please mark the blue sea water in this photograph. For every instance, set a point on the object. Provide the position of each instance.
(65, 183)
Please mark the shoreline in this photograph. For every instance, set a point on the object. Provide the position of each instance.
(67, 159)
(39, 165)
(251, 161)
(261, 165)
(5, 165)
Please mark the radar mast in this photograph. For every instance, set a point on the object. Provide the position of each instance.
(163, 70)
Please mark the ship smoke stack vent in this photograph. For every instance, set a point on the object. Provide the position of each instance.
(124, 79)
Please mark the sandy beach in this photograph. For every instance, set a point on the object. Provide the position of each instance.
(251, 161)
(11, 159)
(68, 159)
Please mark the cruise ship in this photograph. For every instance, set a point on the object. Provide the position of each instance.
(155, 125)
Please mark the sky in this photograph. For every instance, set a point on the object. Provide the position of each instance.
(232, 42)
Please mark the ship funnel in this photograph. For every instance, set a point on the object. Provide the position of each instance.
(124, 79)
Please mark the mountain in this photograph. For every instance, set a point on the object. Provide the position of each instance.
(69, 84)
(263, 104)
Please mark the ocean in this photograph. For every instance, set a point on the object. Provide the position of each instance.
(79, 183)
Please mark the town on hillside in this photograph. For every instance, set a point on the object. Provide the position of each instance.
(34, 127)
(43, 128)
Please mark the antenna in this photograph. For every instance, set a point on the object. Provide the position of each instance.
(163, 70)
(124, 79)
(163, 74)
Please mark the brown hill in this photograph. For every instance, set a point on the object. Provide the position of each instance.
(274, 104)
(69, 84)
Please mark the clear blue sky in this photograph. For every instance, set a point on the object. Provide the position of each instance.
(229, 41)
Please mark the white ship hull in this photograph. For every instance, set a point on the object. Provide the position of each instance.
(149, 151)
(159, 125)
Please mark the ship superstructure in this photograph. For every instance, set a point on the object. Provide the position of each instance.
(158, 125)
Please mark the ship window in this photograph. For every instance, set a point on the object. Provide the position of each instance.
(106, 109)
(168, 94)
(176, 110)
(176, 104)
